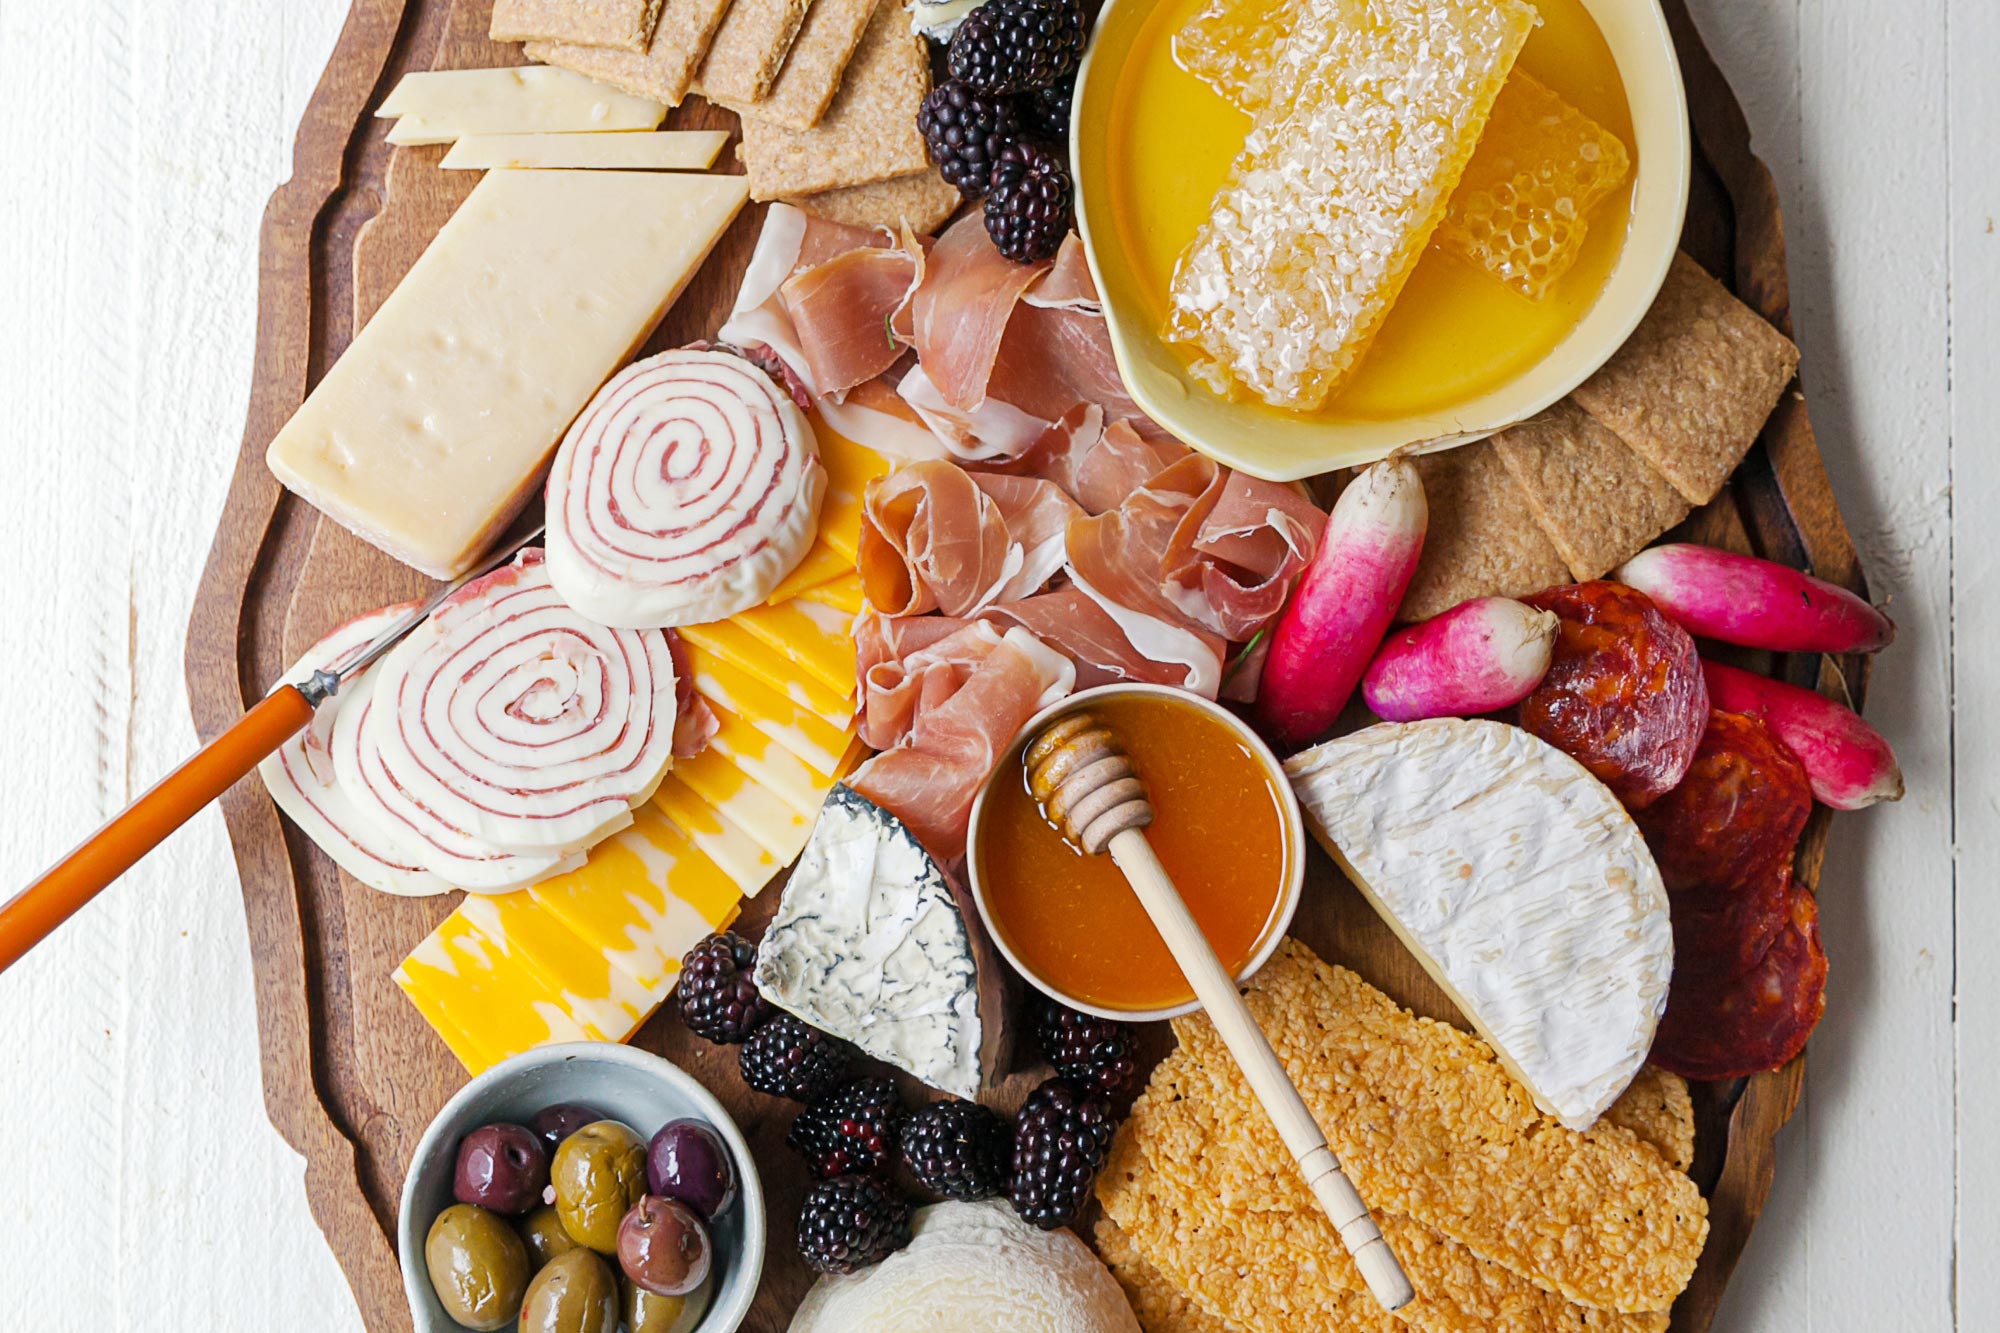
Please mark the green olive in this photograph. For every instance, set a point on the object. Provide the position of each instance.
(478, 1266)
(574, 1294)
(645, 1312)
(543, 1232)
(599, 1173)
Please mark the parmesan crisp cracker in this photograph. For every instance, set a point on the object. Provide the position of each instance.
(1483, 540)
(1597, 500)
(1660, 1114)
(625, 25)
(1162, 1306)
(868, 134)
(1429, 1125)
(749, 49)
(667, 67)
(924, 201)
(1693, 385)
(811, 75)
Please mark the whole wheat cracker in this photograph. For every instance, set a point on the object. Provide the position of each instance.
(1482, 540)
(868, 134)
(812, 71)
(1163, 1306)
(624, 25)
(1597, 500)
(924, 200)
(1694, 384)
(749, 49)
(1429, 1124)
(666, 68)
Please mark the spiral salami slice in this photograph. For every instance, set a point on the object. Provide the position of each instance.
(300, 775)
(508, 733)
(685, 493)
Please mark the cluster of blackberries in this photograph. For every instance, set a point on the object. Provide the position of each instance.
(998, 128)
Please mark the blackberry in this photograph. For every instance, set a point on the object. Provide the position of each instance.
(1027, 206)
(850, 1130)
(1014, 46)
(1061, 1140)
(966, 130)
(958, 1149)
(1044, 113)
(850, 1222)
(718, 999)
(786, 1058)
(1098, 1054)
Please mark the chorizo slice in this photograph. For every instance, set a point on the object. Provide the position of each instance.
(1720, 1027)
(1741, 807)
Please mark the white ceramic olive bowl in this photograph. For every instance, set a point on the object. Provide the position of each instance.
(640, 1089)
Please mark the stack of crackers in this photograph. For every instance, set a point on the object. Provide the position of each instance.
(828, 90)
(1502, 1218)
(1584, 487)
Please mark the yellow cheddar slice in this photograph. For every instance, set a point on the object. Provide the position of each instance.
(849, 469)
(489, 995)
(777, 827)
(806, 734)
(842, 594)
(822, 564)
(741, 857)
(609, 1002)
(428, 1003)
(728, 641)
(774, 768)
(816, 637)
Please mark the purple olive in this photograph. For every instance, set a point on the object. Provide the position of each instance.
(558, 1122)
(689, 1161)
(501, 1167)
(663, 1247)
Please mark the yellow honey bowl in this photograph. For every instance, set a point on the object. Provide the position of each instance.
(1284, 446)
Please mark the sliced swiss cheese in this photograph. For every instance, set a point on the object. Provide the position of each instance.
(432, 430)
(1519, 882)
(438, 106)
(659, 150)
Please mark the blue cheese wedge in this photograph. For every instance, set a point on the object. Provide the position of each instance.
(873, 942)
(1519, 882)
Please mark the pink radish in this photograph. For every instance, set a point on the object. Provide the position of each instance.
(1847, 761)
(1757, 603)
(1344, 603)
(1481, 655)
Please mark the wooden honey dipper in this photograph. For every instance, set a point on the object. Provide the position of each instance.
(1090, 790)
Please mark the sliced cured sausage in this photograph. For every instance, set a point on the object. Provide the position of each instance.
(1727, 929)
(1741, 806)
(1624, 694)
(1720, 1027)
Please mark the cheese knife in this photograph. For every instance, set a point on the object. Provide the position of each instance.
(31, 915)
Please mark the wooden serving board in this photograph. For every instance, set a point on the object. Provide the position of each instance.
(352, 1074)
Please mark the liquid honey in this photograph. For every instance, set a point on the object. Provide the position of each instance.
(1073, 921)
(1455, 332)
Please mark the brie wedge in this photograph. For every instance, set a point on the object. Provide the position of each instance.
(1519, 882)
(873, 942)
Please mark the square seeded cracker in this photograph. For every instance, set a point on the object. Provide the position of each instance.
(667, 67)
(923, 200)
(868, 134)
(626, 25)
(1483, 539)
(1692, 386)
(749, 49)
(1598, 501)
(805, 86)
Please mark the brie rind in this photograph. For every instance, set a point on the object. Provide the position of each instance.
(873, 942)
(1519, 882)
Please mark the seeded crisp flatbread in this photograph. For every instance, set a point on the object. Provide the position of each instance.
(626, 25)
(1660, 1114)
(1483, 540)
(868, 134)
(749, 49)
(1597, 500)
(1692, 387)
(811, 75)
(924, 201)
(663, 73)
(1162, 1306)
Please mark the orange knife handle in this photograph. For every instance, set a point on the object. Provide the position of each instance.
(29, 917)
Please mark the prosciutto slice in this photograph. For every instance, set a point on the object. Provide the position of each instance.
(845, 312)
(508, 733)
(686, 491)
(975, 689)
(935, 537)
(963, 307)
(1097, 464)
(300, 773)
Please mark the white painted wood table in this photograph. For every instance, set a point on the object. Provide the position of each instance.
(138, 142)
